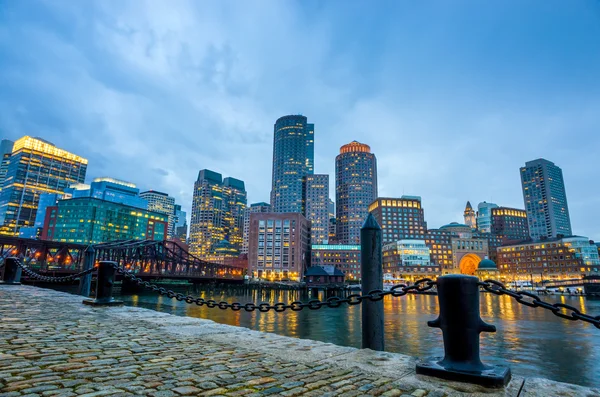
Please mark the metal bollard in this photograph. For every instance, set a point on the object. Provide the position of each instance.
(88, 262)
(459, 320)
(12, 272)
(104, 286)
(371, 279)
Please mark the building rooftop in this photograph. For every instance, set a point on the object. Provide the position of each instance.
(355, 146)
(115, 181)
(320, 271)
(40, 145)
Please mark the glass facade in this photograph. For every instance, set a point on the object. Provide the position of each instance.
(89, 220)
(108, 189)
(484, 217)
(316, 207)
(545, 199)
(408, 259)
(293, 159)
(217, 213)
(181, 227)
(355, 189)
(161, 203)
(34, 167)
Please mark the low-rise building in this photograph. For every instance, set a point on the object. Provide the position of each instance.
(345, 257)
(279, 246)
(409, 260)
(557, 258)
(323, 276)
(88, 220)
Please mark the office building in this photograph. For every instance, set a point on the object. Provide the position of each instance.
(33, 167)
(553, 258)
(316, 207)
(217, 213)
(279, 246)
(355, 189)
(399, 218)
(88, 220)
(484, 217)
(545, 199)
(253, 208)
(6, 147)
(344, 257)
(510, 224)
(293, 159)
(409, 260)
(439, 242)
(108, 189)
(163, 204)
(180, 220)
(469, 215)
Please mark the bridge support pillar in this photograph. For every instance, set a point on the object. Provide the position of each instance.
(104, 286)
(88, 263)
(372, 279)
(12, 272)
(459, 320)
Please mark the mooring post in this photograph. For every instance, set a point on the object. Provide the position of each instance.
(461, 324)
(12, 272)
(104, 286)
(372, 279)
(88, 262)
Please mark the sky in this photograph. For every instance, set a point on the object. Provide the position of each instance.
(452, 96)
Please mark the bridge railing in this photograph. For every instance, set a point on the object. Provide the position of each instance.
(458, 297)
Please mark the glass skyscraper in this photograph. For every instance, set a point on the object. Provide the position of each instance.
(316, 207)
(217, 214)
(545, 199)
(355, 189)
(34, 167)
(293, 159)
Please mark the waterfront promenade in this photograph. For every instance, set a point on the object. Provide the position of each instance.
(52, 345)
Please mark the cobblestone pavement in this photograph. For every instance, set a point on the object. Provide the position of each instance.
(52, 345)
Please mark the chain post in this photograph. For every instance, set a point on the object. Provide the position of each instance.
(85, 282)
(372, 280)
(12, 272)
(104, 286)
(459, 320)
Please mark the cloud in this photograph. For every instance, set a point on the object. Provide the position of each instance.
(452, 100)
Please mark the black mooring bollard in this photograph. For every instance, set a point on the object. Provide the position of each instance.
(371, 267)
(12, 272)
(104, 286)
(459, 320)
(85, 282)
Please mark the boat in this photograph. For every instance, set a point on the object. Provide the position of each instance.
(591, 285)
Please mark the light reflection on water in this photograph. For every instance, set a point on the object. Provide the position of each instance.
(533, 341)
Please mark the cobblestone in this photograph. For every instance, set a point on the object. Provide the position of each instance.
(53, 346)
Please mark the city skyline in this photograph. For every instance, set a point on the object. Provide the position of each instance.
(448, 141)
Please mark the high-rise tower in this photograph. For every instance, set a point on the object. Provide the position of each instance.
(355, 189)
(34, 166)
(293, 159)
(217, 213)
(316, 207)
(545, 199)
(469, 214)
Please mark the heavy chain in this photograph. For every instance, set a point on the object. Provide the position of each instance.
(532, 300)
(314, 304)
(49, 279)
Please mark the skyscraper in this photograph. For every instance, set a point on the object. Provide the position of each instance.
(316, 207)
(253, 208)
(180, 223)
(163, 204)
(6, 147)
(484, 217)
(293, 158)
(217, 213)
(34, 166)
(545, 199)
(469, 215)
(355, 189)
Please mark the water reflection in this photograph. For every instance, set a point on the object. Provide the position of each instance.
(534, 341)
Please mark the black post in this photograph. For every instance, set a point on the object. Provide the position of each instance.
(12, 272)
(459, 320)
(88, 263)
(104, 286)
(372, 279)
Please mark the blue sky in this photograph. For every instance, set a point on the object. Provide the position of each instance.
(452, 96)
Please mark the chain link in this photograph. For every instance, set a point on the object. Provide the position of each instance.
(314, 304)
(528, 299)
(49, 279)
